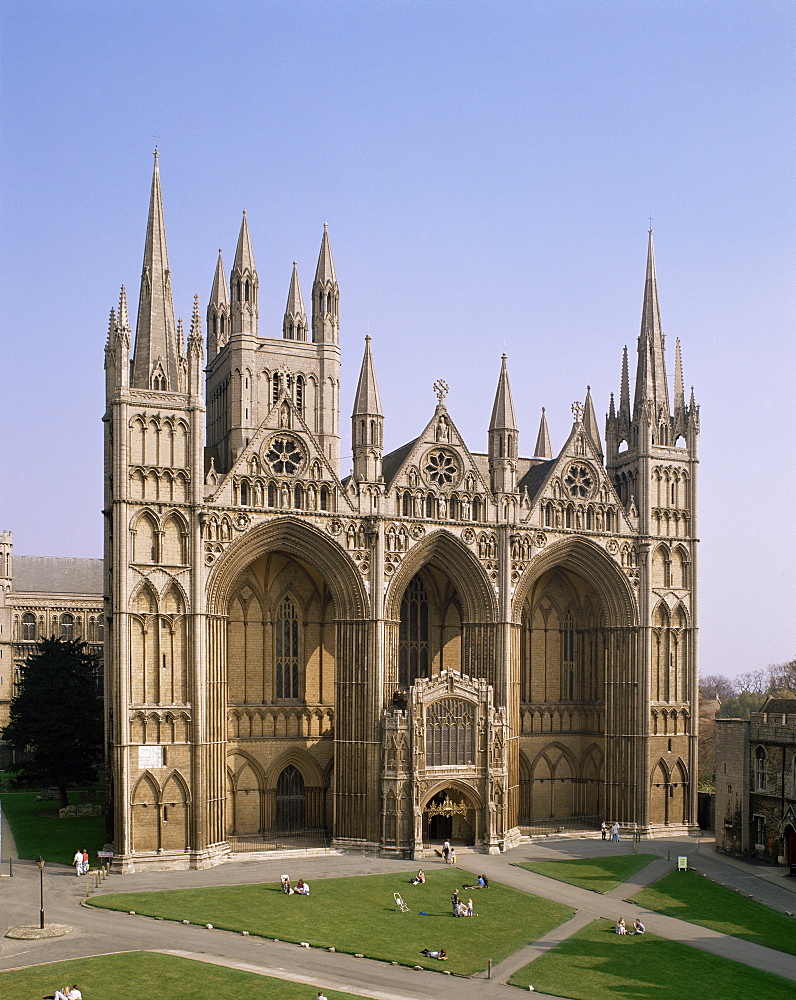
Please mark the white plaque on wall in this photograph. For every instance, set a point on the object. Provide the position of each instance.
(150, 757)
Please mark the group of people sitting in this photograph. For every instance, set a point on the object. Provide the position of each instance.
(459, 907)
(482, 883)
(69, 993)
(301, 887)
(638, 927)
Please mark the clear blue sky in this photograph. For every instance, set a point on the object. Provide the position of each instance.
(487, 170)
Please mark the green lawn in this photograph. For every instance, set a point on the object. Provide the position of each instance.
(358, 915)
(150, 976)
(688, 896)
(55, 839)
(599, 874)
(597, 964)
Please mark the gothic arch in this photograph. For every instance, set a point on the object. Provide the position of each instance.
(463, 569)
(300, 759)
(590, 561)
(454, 784)
(296, 538)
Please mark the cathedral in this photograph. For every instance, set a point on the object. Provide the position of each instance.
(436, 643)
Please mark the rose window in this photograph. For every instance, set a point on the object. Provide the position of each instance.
(441, 468)
(284, 456)
(579, 481)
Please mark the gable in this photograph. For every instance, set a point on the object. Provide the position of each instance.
(437, 460)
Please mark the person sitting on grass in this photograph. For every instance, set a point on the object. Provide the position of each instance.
(638, 927)
(286, 885)
(69, 993)
(441, 954)
(620, 926)
(302, 888)
(482, 883)
(420, 878)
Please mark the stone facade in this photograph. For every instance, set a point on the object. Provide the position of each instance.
(42, 596)
(441, 643)
(756, 783)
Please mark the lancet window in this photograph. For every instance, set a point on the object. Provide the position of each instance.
(287, 651)
(413, 641)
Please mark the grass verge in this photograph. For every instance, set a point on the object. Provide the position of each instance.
(597, 964)
(55, 839)
(688, 896)
(358, 915)
(151, 976)
(598, 874)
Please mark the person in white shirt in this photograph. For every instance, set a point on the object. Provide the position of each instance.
(77, 861)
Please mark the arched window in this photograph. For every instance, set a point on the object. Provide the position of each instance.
(476, 509)
(450, 724)
(568, 658)
(430, 505)
(298, 498)
(290, 799)
(246, 291)
(100, 630)
(271, 495)
(274, 387)
(28, 626)
(328, 302)
(287, 651)
(413, 651)
(67, 626)
(300, 393)
(761, 759)
(221, 323)
(244, 493)
(406, 504)
(324, 498)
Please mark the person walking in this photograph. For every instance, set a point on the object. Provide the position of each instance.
(615, 832)
(77, 861)
(446, 849)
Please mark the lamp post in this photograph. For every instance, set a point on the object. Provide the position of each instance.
(40, 863)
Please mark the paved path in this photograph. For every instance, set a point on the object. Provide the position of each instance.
(101, 932)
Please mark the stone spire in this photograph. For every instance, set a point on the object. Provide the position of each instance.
(651, 388)
(679, 392)
(325, 296)
(218, 315)
(590, 422)
(543, 448)
(294, 325)
(503, 435)
(244, 285)
(156, 357)
(367, 423)
(624, 389)
(195, 351)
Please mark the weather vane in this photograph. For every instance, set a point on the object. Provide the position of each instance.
(441, 389)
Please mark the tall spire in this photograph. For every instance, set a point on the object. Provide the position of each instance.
(543, 448)
(651, 385)
(218, 317)
(503, 408)
(624, 389)
(367, 423)
(590, 422)
(155, 358)
(294, 324)
(679, 392)
(367, 399)
(503, 435)
(244, 285)
(325, 296)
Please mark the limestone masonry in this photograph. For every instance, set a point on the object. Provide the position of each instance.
(440, 644)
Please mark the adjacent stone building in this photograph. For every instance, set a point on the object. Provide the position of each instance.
(756, 782)
(42, 596)
(439, 642)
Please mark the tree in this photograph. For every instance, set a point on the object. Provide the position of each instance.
(716, 686)
(56, 716)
